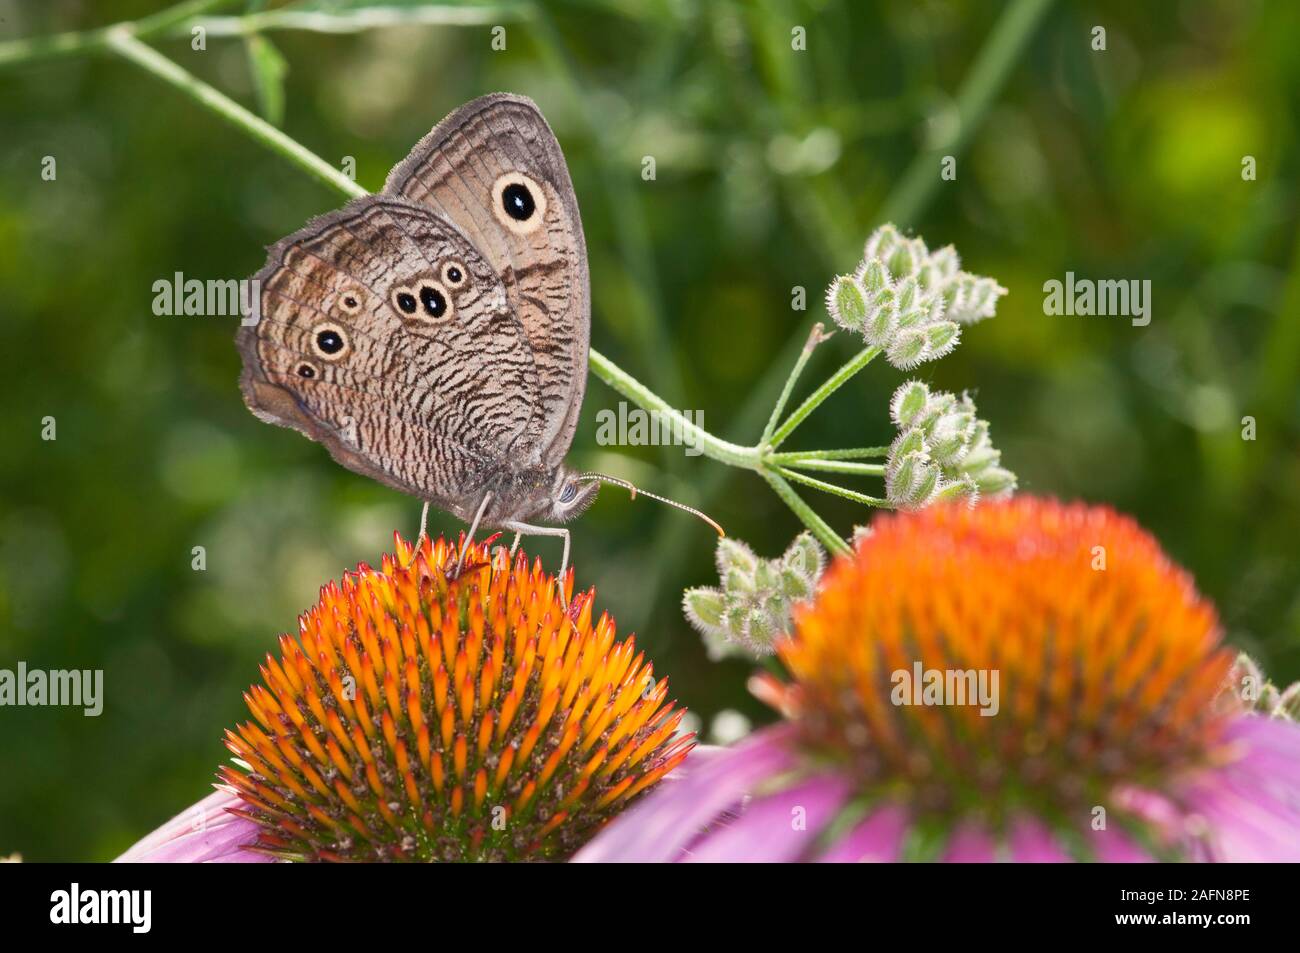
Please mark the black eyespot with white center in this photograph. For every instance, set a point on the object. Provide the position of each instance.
(453, 274)
(330, 342)
(404, 301)
(434, 301)
(306, 371)
(518, 202)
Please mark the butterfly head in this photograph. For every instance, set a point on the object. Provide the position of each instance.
(570, 495)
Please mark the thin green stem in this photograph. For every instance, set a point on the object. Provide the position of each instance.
(992, 66)
(835, 466)
(692, 434)
(122, 41)
(833, 383)
(820, 528)
(831, 488)
(35, 48)
(816, 337)
(858, 453)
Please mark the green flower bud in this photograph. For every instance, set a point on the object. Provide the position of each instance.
(995, 481)
(942, 337)
(881, 242)
(704, 607)
(881, 324)
(805, 556)
(847, 304)
(961, 489)
(946, 262)
(975, 298)
(873, 276)
(908, 442)
(908, 349)
(907, 404)
(907, 294)
(732, 554)
(910, 481)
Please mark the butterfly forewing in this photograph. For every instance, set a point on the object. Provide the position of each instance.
(495, 169)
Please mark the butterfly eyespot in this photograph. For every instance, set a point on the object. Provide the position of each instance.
(306, 371)
(404, 301)
(350, 303)
(518, 202)
(330, 342)
(434, 300)
(569, 492)
(453, 274)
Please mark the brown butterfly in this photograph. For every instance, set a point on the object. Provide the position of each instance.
(434, 336)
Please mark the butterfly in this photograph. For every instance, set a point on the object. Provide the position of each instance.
(434, 336)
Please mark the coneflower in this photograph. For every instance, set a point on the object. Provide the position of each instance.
(1025, 680)
(421, 718)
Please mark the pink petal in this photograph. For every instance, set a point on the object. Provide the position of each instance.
(204, 833)
(1114, 846)
(878, 839)
(778, 828)
(672, 817)
(1032, 843)
(970, 845)
(1252, 805)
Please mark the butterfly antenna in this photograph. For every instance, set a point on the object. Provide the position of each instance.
(634, 490)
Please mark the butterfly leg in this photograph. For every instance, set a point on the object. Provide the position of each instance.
(423, 534)
(473, 528)
(525, 529)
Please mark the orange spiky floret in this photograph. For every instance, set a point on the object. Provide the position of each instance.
(1109, 662)
(422, 717)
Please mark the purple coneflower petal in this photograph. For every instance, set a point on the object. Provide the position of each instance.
(1032, 843)
(776, 828)
(661, 827)
(1251, 806)
(970, 844)
(877, 839)
(205, 833)
(1113, 846)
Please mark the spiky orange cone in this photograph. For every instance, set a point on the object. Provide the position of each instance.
(1026, 680)
(426, 718)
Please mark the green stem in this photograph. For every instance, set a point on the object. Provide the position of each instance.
(835, 466)
(816, 337)
(123, 41)
(642, 396)
(32, 49)
(858, 453)
(993, 64)
(820, 528)
(831, 488)
(833, 383)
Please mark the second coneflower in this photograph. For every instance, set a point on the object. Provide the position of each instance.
(1025, 680)
(421, 718)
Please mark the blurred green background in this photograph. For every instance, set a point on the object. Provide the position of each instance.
(772, 167)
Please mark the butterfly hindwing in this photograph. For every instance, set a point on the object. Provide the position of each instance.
(386, 336)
